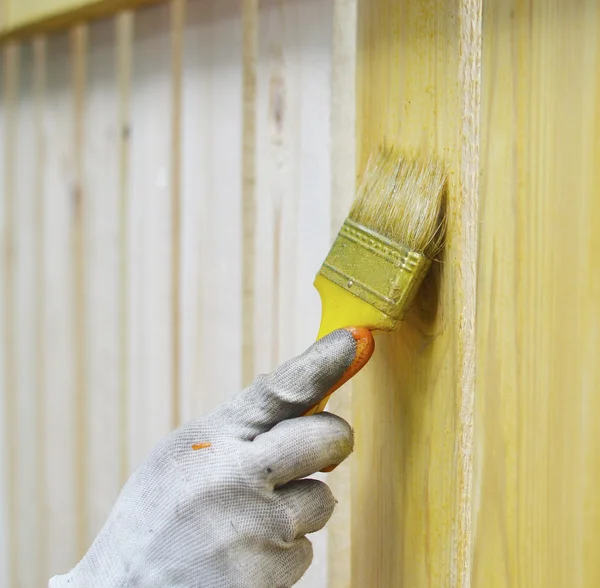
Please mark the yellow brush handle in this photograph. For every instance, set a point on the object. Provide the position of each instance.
(341, 309)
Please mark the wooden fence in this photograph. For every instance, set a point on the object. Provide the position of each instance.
(168, 193)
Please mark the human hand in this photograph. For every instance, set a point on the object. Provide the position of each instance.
(221, 502)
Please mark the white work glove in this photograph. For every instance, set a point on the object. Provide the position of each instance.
(220, 502)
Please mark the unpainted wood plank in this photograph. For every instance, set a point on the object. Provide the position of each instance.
(277, 181)
(293, 187)
(250, 48)
(39, 83)
(101, 186)
(78, 63)
(27, 471)
(177, 23)
(293, 135)
(124, 49)
(413, 403)
(61, 420)
(212, 205)
(149, 307)
(536, 502)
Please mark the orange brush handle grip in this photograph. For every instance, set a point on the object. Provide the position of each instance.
(365, 345)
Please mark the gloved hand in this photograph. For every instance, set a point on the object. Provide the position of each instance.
(220, 502)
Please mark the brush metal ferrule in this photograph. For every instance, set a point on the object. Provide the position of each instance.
(374, 268)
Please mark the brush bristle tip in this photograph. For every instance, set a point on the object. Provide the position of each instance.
(401, 196)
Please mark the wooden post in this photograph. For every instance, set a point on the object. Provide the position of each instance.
(538, 312)
(418, 86)
(478, 451)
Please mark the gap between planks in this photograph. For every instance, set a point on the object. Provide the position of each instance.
(11, 83)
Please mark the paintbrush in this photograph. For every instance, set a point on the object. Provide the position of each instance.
(385, 247)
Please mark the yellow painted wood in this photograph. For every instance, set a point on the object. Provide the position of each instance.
(417, 85)
(537, 513)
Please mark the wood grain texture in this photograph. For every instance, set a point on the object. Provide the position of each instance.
(61, 419)
(177, 24)
(102, 252)
(124, 55)
(149, 248)
(537, 507)
(411, 404)
(27, 333)
(211, 291)
(293, 173)
(78, 62)
(39, 87)
(249, 17)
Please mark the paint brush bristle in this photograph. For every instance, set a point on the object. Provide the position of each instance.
(402, 198)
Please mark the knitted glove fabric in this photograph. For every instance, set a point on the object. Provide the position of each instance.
(222, 502)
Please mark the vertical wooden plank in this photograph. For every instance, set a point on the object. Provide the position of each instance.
(536, 495)
(78, 43)
(9, 93)
(212, 203)
(27, 474)
(124, 41)
(417, 75)
(39, 72)
(293, 173)
(177, 20)
(150, 237)
(313, 176)
(195, 187)
(278, 90)
(249, 48)
(61, 425)
(293, 179)
(343, 164)
(101, 185)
